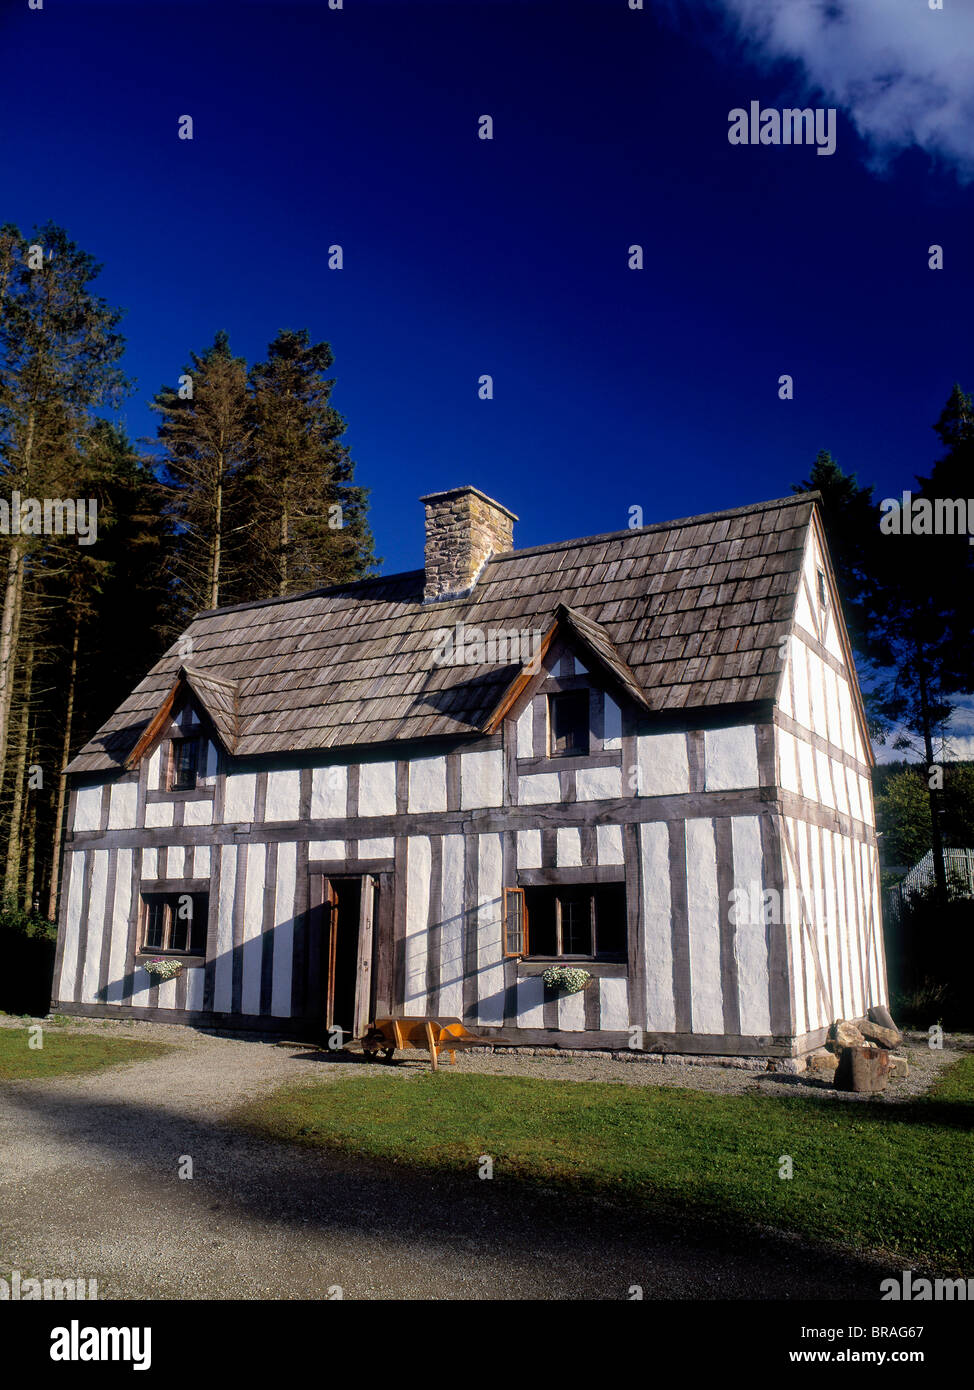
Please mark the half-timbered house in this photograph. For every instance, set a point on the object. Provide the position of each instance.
(641, 753)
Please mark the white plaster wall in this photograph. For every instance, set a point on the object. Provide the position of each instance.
(198, 813)
(380, 848)
(663, 767)
(481, 779)
(530, 1002)
(806, 769)
(240, 796)
(154, 775)
(418, 865)
(283, 798)
(609, 844)
(122, 807)
(529, 849)
(223, 967)
(176, 862)
(195, 980)
(427, 785)
(571, 1011)
(598, 783)
(328, 850)
(96, 927)
(201, 862)
(87, 809)
(824, 778)
(539, 788)
(252, 927)
(150, 864)
(525, 731)
(750, 940)
(158, 813)
(377, 789)
(167, 994)
(654, 849)
(613, 1003)
(329, 792)
(730, 758)
(284, 890)
(451, 928)
(568, 847)
(490, 967)
(788, 761)
(703, 911)
(121, 908)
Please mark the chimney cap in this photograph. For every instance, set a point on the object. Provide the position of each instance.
(461, 491)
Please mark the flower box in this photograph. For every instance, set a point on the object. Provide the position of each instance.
(164, 969)
(565, 979)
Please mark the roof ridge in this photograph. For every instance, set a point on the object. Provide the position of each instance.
(327, 589)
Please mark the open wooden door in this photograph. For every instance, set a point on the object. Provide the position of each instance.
(330, 933)
(363, 972)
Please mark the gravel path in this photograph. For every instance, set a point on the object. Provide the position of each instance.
(89, 1187)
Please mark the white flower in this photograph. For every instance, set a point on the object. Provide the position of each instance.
(566, 978)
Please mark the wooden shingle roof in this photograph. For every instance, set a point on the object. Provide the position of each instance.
(690, 612)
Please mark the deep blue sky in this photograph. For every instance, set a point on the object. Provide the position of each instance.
(359, 126)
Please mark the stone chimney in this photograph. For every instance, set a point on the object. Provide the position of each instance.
(464, 528)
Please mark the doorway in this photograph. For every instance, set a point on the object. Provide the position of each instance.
(345, 913)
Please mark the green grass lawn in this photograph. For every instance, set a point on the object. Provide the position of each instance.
(890, 1178)
(67, 1052)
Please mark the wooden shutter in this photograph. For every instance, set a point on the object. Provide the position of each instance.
(363, 971)
(515, 923)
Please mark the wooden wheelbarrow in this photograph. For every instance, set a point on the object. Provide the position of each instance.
(434, 1035)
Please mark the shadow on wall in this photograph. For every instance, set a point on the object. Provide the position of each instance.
(255, 980)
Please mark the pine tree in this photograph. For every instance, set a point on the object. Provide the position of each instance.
(851, 520)
(312, 528)
(206, 433)
(59, 354)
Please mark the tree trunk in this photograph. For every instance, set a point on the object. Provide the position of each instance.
(936, 836)
(62, 789)
(31, 861)
(11, 877)
(9, 638)
(10, 622)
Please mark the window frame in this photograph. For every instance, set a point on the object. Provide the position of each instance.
(557, 891)
(580, 694)
(169, 900)
(511, 896)
(171, 768)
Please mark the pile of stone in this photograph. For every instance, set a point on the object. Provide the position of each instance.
(859, 1056)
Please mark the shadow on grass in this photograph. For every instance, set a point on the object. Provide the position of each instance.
(576, 1237)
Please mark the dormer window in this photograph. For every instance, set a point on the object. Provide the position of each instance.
(184, 764)
(568, 724)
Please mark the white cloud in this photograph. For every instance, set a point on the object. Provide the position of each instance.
(899, 70)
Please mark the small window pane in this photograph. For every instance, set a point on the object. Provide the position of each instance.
(576, 924)
(513, 922)
(540, 904)
(155, 924)
(569, 719)
(611, 928)
(185, 759)
(197, 938)
(176, 922)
